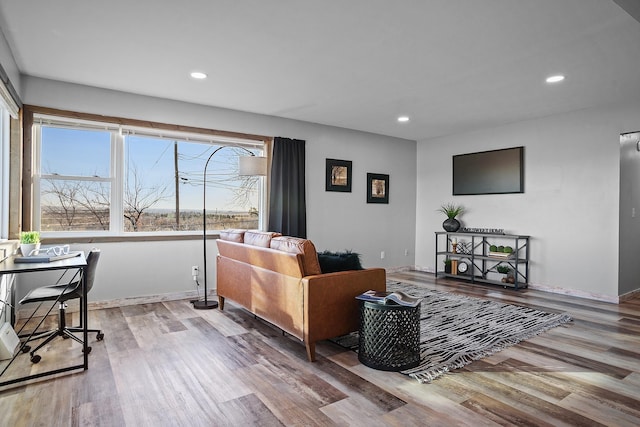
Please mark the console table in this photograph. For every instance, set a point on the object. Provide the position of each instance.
(480, 264)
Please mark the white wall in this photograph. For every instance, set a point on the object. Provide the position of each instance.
(341, 221)
(9, 64)
(132, 269)
(570, 204)
(334, 220)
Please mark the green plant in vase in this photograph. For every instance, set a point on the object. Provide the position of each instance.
(451, 210)
(29, 242)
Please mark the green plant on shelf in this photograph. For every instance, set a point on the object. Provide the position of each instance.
(508, 272)
(503, 269)
(451, 210)
(501, 249)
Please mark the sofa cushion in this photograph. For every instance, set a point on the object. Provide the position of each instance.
(233, 235)
(259, 238)
(330, 262)
(296, 245)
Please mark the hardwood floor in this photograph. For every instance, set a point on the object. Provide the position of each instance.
(166, 364)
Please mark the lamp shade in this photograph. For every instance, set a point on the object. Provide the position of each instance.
(252, 165)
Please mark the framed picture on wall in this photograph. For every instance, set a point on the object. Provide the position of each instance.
(338, 175)
(377, 188)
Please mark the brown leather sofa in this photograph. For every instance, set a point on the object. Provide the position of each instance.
(278, 278)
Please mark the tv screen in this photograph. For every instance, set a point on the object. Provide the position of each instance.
(489, 172)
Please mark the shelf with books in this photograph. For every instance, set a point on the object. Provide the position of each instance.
(500, 259)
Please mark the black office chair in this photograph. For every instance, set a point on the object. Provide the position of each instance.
(61, 293)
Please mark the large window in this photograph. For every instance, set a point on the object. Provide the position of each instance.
(96, 178)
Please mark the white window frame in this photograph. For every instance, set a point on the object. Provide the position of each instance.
(5, 138)
(117, 172)
(42, 120)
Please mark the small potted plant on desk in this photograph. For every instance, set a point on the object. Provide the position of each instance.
(29, 242)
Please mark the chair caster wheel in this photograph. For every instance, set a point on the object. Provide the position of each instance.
(35, 358)
(65, 337)
(26, 349)
(100, 336)
(88, 350)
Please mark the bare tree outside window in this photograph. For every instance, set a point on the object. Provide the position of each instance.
(94, 199)
(84, 205)
(139, 198)
(62, 206)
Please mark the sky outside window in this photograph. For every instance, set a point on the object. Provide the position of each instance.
(75, 152)
(154, 161)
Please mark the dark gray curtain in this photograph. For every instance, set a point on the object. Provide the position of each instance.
(287, 203)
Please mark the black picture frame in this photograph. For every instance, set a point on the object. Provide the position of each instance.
(338, 175)
(377, 188)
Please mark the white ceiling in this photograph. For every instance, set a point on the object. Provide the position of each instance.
(450, 65)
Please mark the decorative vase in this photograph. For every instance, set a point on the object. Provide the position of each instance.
(27, 248)
(451, 225)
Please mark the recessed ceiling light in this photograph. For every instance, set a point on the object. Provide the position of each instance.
(555, 79)
(403, 119)
(198, 75)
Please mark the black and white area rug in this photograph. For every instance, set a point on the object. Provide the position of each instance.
(455, 330)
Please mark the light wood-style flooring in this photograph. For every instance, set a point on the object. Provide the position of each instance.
(166, 364)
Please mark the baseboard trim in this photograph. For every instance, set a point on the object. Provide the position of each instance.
(629, 295)
(400, 269)
(147, 299)
(575, 293)
(566, 291)
(424, 269)
(73, 306)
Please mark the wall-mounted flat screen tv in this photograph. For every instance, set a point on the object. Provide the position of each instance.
(489, 172)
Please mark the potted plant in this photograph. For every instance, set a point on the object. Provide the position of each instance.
(29, 242)
(451, 210)
(508, 272)
(447, 266)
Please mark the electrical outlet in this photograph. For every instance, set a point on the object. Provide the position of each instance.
(406, 252)
(195, 271)
(382, 255)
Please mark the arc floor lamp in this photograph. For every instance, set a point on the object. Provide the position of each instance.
(250, 165)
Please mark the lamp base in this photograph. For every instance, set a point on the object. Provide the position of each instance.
(205, 305)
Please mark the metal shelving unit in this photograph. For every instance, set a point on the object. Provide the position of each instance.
(473, 249)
